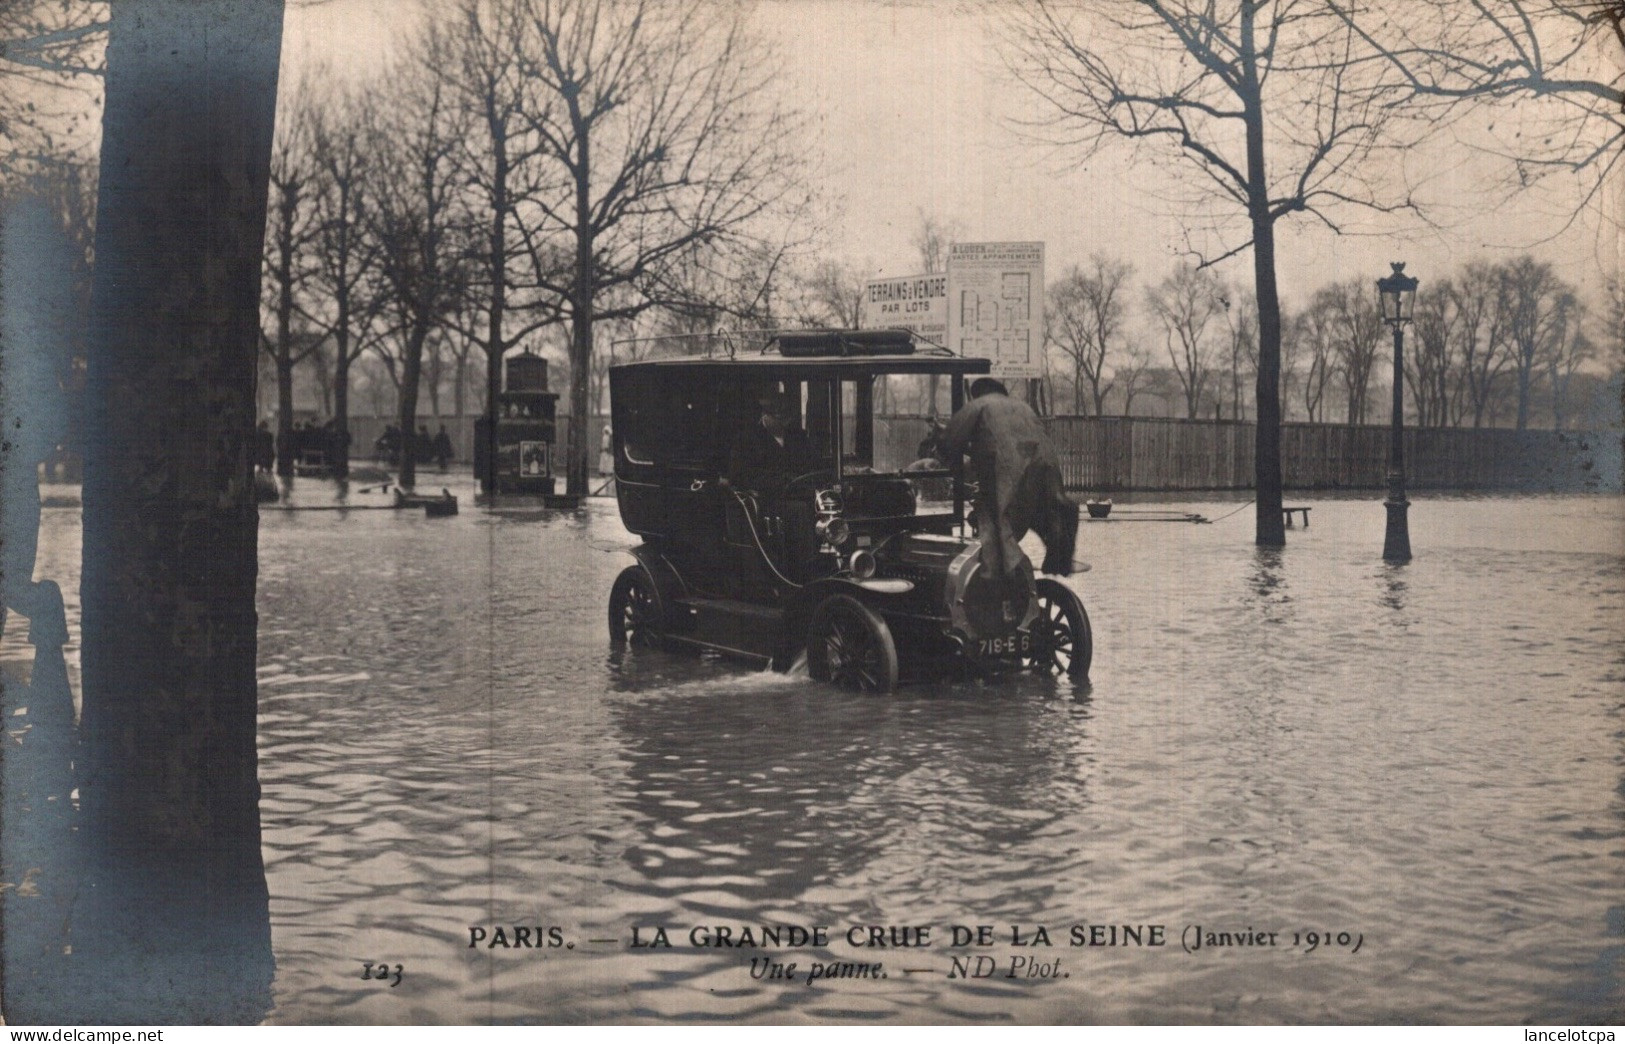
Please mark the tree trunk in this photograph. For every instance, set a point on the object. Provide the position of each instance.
(411, 373)
(1270, 527)
(174, 918)
(284, 413)
(341, 409)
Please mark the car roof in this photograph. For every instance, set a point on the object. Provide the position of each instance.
(778, 368)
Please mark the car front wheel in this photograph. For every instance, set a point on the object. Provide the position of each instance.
(634, 610)
(1062, 641)
(849, 644)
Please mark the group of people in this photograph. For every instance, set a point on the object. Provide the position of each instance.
(307, 439)
(425, 447)
(1008, 456)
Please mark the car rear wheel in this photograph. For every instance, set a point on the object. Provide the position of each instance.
(849, 644)
(1062, 641)
(634, 610)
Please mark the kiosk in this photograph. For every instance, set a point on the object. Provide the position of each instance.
(526, 432)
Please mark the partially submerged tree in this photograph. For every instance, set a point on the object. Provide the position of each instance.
(421, 231)
(1258, 103)
(662, 125)
(170, 789)
(292, 227)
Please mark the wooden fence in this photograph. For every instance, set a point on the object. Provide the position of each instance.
(1108, 454)
(1113, 454)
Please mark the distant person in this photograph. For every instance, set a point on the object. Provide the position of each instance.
(442, 447)
(423, 444)
(264, 447)
(1018, 475)
(930, 447)
(606, 452)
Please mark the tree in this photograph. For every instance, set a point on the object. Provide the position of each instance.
(1088, 308)
(344, 254)
(170, 790)
(420, 228)
(832, 295)
(291, 229)
(1560, 60)
(1241, 317)
(1257, 100)
(1130, 372)
(1537, 308)
(1357, 339)
(661, 122)
(51, 58)
(1185, 304)
(1314, 330)
(482, 52)
(1572, 349)
(1430, 362)
(1481, 337)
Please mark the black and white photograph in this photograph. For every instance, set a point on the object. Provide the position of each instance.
(812, 512)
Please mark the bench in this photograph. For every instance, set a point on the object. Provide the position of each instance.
(1286, 513)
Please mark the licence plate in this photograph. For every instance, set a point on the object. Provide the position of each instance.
(1018, 644)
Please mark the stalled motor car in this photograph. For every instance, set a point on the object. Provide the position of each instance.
(894, 588)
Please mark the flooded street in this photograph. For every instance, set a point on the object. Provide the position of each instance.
(1426, 758)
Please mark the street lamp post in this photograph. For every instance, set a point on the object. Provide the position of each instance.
(1397, 294)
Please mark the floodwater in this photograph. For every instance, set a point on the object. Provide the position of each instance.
(1427, 758)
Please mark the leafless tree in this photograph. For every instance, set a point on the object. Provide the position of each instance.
(291, 229)
(1257, 100)
(1315, 329)
(51, 60)
(1129, 372)
(831, 295)
(1185, 304)
(661, 123)
(420, 226)
(1431, 366)
(1087, 309)
(344, 253)
(1561, 61)
(1357, 339)
(1537, 308)
(1241, 319)
(1572, 349)
(1481, 338)
(483, 46)
(931, 239)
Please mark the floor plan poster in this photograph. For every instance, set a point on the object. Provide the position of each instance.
(996, 305)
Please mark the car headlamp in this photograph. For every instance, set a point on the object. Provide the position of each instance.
(834, 531)
(862, 563)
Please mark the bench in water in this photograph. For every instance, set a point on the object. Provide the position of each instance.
(1286, 512)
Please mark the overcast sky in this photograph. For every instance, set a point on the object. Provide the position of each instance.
(911, 112)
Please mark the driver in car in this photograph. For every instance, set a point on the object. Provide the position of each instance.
(765, 457)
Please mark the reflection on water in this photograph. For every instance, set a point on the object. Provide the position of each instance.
(1290, 740)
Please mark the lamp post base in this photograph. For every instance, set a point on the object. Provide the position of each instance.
(1396, 546)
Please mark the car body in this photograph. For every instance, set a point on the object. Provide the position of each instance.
(896, 589)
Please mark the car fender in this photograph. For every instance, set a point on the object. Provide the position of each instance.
(799, 610)
(668, 582)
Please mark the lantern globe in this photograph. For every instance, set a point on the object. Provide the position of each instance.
(1397, 294)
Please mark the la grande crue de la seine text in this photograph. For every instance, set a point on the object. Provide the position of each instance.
(1191, 938)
